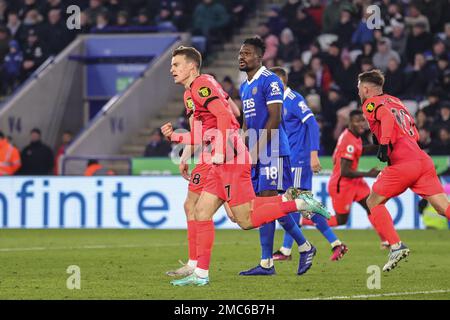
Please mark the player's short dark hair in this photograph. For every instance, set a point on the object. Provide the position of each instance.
(190, 53)
(281, 72)
(375, 77)
(258, 43)
(355, 113)
(2, 135)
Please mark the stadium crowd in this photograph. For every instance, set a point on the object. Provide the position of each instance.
(411, 47)
(33, 30)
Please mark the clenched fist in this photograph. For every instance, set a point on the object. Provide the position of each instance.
(167, 130)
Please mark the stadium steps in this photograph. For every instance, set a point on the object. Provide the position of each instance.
(223, 64)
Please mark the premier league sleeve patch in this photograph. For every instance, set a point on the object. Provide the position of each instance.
(370, 107)
(204, 92)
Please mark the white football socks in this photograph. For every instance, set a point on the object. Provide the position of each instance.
(192, 263)
(201, 273)
(304, 247)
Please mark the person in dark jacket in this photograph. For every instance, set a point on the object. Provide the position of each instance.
(37, 157)
(158, 147)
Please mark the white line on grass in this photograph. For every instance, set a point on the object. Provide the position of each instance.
(155, 245)
(393, 294)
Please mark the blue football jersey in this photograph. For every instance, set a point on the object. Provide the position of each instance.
(302, 137)
(257, 95)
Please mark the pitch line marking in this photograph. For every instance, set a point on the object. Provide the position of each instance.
(99, 247)
(393, 294)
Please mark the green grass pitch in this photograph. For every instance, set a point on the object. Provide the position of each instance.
(130, 264)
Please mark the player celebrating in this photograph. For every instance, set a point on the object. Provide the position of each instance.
(346, 183)
(408, 165)
(196, 182)
(303, 135)
(229, 178)
(262, 99)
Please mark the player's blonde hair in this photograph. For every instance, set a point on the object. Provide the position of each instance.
(190, 53)
(375, 77)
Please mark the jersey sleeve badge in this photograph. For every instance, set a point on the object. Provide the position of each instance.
(370, 107)
(204, 92)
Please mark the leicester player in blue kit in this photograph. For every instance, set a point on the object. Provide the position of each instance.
(262, 98)
(304, 137)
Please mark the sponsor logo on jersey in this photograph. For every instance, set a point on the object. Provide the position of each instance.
(204, 92)
(255, 90)
(303, 106)
(275, 89)
(370, 107)
(190, 104)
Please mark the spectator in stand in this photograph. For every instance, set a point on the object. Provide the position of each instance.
(422, 121)
(271, 42)
(434, 11)
(179, 18)
(143, 19)
(230, 88)
(102, 22)
(384, 54)
(346, 77)
(310, 86)
(95, 7)
(345, 28)
(60, 35)
(33, 20)
(415, 17)
(332, 102)
(367, 53)
(443, 118)
(441, 145)
(432, 103)
(33, 54)
(424, 139)
(275, 21)
(417, 78)
(362, 33)
(27, 6)
(288, 48)
(394, 79)
(418, 41)
(14, 25)
(37, 157)
(366, 64)
(323, 75)
(315, 10)
(331, 14)
(11, 68)
(441, 69)
(332, 58)
(296, 73)
(122, 19)
(398, 38)
(304, 28)
(289, 10)
(209, 17)
(157, 147)
(65, 142)
(49, 5)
